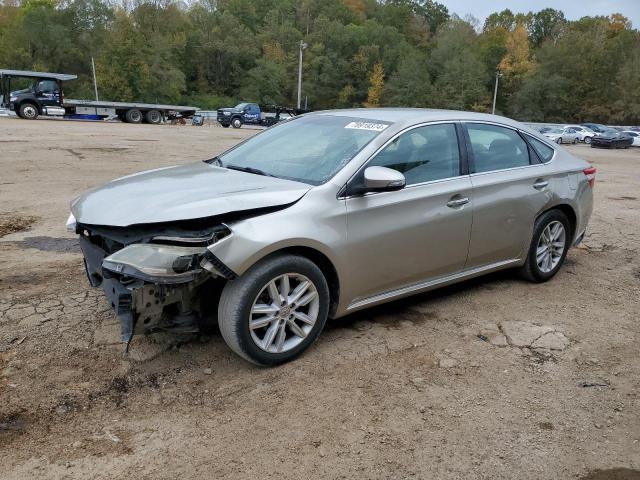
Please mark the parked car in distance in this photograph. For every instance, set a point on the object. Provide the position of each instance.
(634, 135)
(612, 139)
(326, 214)
(562, 135)
(596, 127)
(584, 134)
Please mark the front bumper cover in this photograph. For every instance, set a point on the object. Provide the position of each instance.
(135, 299)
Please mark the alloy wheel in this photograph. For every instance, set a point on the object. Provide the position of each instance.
(284, 313)
(551, 245)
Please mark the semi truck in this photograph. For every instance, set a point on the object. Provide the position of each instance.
(45, 96)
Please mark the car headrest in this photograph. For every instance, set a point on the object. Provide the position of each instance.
(503, 147)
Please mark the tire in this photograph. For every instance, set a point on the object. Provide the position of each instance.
(536, 269)
(575, 140)
(236, 123)
(587, 140)
(153, 117)
(240, 295)
(28, 111)
(133, 116)
(559, 141)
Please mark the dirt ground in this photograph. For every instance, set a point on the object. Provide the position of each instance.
(494, 378)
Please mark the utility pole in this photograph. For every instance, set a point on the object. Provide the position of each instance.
(495, 92)
(95, 83)
(302, 47)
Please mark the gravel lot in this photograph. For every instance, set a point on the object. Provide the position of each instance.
(494, 378)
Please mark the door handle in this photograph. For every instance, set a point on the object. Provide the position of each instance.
(540, 184)
(457, 202)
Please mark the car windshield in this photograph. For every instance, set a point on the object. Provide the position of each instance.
(241, 106)
(309, 149)
(554, 130)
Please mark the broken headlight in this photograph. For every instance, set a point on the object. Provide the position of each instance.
(156, 262)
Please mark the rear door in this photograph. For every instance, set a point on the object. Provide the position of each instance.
(510, 188)
(421, 232)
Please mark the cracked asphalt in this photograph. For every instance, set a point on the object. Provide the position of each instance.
(494, 378)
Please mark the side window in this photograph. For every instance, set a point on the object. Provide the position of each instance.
(423, 154)
(47, 86)
(496, 148)
(545, 152)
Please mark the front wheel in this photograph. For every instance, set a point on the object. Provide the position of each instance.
(275, 310)
(28, 111)
(549, 247)
(575, 140)
(587, 140)
(236, 123)
(559, 140)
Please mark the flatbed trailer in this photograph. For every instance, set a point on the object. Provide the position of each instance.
(45, 97)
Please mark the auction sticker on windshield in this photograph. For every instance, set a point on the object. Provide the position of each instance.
(376, 127)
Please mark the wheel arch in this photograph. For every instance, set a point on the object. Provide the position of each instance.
(569, 211)
(324, 263)
(31, 101)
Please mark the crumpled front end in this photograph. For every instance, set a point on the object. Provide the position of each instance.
(156, 279)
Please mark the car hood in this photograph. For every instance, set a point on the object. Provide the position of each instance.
(184, 192)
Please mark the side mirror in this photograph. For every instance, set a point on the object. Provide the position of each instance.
(382, 179)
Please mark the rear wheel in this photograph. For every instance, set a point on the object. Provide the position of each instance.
(549, 246)
(153, 116)
(559, 140)
(275, 310)
(575, 140)
(133, 116)
(28, 111)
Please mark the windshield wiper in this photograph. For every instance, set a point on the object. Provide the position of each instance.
(255, 171)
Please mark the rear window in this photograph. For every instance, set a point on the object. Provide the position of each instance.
(544, 151)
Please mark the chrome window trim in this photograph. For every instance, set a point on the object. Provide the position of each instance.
(421, 184)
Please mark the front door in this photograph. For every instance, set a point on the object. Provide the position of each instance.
(48, 93)
(421, 232)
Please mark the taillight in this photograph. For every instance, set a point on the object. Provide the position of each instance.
(591, 175)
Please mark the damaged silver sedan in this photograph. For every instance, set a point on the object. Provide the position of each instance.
(327, 214)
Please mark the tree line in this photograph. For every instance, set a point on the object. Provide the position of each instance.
(411, 53)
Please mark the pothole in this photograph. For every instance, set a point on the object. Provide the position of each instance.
(11, 224)
(613, 474)
(50, 244)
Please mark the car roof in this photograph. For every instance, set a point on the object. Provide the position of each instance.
(416, 115)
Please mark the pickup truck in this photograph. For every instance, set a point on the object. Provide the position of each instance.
(252, 114)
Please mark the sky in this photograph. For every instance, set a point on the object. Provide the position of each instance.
(572, 9)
